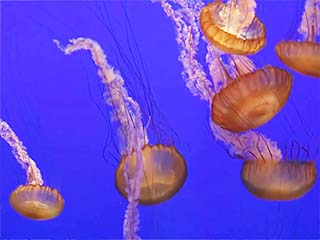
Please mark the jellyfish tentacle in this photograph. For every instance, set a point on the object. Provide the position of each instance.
(20, 153)
(188, 39)
(310, 22)
(251, 141)
(242, 64)
(237, 16)
(216, 68)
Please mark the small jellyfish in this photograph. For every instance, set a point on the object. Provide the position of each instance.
(164, 173)
(33, 200)
(271, 179)
(233, 26)
(147, 174)
(304, 56)
(37, 202)
(251, 99)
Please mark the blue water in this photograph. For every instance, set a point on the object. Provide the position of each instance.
(54, 104)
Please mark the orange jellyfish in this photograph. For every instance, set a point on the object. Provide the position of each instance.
(304, 56)
(147, 174)
(272, 179)
(252, 98)
(233, 26)
(33, 200)
(37, 202)
(164, 173)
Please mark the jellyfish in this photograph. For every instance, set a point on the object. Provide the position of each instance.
(269, 175)
(164, 173)
(304, 56)
(32, 200)
(252, 98)
(264, 169)
(272, 180)
(147, 174)
(233, 26)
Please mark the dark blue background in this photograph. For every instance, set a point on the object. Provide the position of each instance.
(54, 104)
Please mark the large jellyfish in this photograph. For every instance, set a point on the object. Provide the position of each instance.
(304, 56)
(32, 200)
(233, 26)
(147, 174)
(251, 97)
(276, 178)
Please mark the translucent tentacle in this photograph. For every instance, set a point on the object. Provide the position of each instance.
(310, 23)
(188, 39)
(242, 65)
(236, 16)
(217, 69)
(20, 153)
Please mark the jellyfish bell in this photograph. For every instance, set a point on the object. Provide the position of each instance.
(286, 176)
(37, 202)
(164, 173)
(233, 27)
(303, 55)
(278, 180)
(251, 99)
